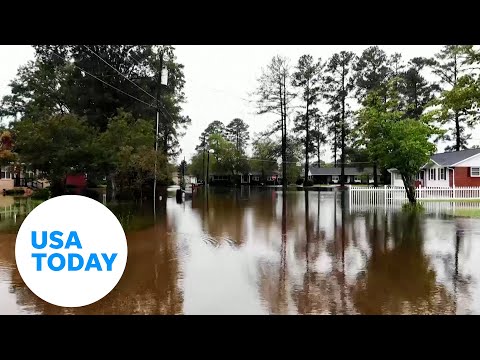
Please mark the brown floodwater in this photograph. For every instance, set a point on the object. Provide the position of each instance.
(255, 251)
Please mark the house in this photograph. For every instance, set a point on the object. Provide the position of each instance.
(7, 180)
(189, 179)
(255, 178)
(250, 178)
(449, 169)
(331, 175)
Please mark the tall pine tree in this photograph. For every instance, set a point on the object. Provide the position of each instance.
(340, 83)
(307, 78)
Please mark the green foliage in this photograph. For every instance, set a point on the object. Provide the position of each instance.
(410, 208)
(308, 78)
(265, 155)
(14, 192)
(458, 104)
(226, 159)
(56, 145)
(237, 134)
(54, 84)
(308, 182)
(340, 82)
(41, 194)
(395, 140)
(215, 127)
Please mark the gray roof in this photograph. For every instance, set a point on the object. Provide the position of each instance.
(352, 171)
(451, 158)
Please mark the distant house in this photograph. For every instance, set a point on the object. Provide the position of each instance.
(331, 175)
(250, 178)
(449, 169)
(189, 179)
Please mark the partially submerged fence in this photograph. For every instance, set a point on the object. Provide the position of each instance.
(389, 195)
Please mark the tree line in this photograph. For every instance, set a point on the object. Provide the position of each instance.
(92, 109)
(373, 108)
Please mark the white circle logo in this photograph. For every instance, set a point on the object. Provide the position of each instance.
(71, 251)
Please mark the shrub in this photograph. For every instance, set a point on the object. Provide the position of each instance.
(299, 182)
(41, 194)
(92, 194)
(308, 183)
(14, 192)
(413, 208)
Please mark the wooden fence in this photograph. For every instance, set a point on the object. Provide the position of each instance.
(388, 195)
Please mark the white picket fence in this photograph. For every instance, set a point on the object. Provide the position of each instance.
(387, 195)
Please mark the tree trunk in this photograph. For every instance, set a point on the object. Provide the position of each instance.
(113, 186)
(284, 129)
(410, 190)
(375, 175)
(318, 150)
(342, 171)
(307, 141)
(457, 131)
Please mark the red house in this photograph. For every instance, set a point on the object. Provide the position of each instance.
(449, 169)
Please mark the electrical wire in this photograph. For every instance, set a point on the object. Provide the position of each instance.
(106, 62)
(95, 77)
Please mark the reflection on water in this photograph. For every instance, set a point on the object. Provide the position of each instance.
(256, 251)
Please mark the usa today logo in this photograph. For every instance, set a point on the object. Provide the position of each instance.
(71, 251)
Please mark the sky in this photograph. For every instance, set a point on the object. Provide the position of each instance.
(219, 79)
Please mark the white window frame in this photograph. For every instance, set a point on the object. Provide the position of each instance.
(478, 171)
(255, 178)
(442, 174)
(434, 172)
(335, 177)
(398, 176)
(7, 170)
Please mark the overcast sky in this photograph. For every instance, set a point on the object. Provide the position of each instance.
(219, 78)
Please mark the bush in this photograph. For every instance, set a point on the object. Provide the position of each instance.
(299, 182)
(92, 183)
(90, 193)
(14, 192)
(413, 208)
(41, 194)
(308, 183)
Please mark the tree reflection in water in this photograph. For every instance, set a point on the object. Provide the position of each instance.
(299, 252)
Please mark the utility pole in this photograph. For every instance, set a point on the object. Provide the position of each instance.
(203, 168)
(159, 86)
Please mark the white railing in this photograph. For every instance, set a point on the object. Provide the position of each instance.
(386, 195)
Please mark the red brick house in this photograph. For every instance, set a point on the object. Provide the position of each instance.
(449, 169)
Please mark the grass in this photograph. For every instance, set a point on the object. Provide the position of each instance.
(451, 200)
(469, 213)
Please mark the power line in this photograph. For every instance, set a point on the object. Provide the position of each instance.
(106, 62)
(95, 77)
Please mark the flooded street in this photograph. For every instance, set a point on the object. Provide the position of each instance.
(255, 251)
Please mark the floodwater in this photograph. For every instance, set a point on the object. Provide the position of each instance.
(255, 251)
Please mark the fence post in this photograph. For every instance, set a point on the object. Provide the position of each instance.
(349, 198)
(385, 193)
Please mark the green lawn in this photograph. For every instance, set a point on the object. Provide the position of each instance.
(451, 200)
(470, 213)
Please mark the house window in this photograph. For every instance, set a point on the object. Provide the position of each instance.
(334, 178)
(255, 178)
(475, 171)
(398, 176)
(442, 174)
(5, 173)
(432, 175)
